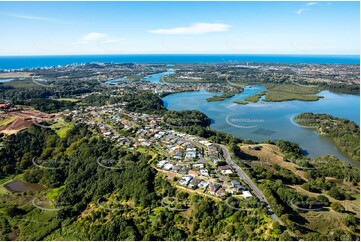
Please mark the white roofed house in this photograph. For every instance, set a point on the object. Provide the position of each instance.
(145, 143)
(161, 163)
(184, 181)
(204, 172)
(157, 136)
(177, 156)
(203, 185)
(225, 170)
(200, 166)
(167, 166)
(191, 154)
(246, 194)
(215, 159)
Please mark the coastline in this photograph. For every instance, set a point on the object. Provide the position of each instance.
(39, 61)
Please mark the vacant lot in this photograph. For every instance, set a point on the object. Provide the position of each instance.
(271, 154)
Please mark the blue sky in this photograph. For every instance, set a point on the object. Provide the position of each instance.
(47, 28)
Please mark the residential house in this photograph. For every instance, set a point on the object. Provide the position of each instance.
(167, 166)
(184, 181)
(176, 168)
(254, 147)
(246, 194)
(191, 154)
(199, 166)
(193, 173)
(225, 170)
(194, 183)
(235, 183)
(204, 172)
(213, 187)
(221, 192)
(145, 143)
(177, 156)
(161, 163)
(203, 185)
(183, 170)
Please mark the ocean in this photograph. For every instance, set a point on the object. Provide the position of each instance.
(19, 62)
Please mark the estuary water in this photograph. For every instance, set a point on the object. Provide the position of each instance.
(156, 77)
(271, 120)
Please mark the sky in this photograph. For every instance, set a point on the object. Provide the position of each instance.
(60, 28)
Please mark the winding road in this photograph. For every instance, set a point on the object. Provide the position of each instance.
(242, 175)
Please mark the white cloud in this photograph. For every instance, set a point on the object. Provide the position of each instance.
(96, 37)
(38, 18)
(197, 28)
(301, 10)
(111, 40)
(93, 36)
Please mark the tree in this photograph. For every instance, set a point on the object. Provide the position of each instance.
(336, 193)
(26, 160)
(337, 207)
(350, 220)
(14, 211)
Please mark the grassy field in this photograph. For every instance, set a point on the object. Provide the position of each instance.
(285, 92)
(256, 97)
(27, 83)
(54, 193)
(15, 74)
(325, 220)
(67, 99)
(62, 128)
(133, 78)
(6, 121)
(240, 102)
(221, 97)
(272, 154)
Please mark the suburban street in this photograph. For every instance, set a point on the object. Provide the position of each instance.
(242, 175)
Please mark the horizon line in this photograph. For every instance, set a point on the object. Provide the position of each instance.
(289, 54)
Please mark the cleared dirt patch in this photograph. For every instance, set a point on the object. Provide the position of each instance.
(271, 154)
(13, 122)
